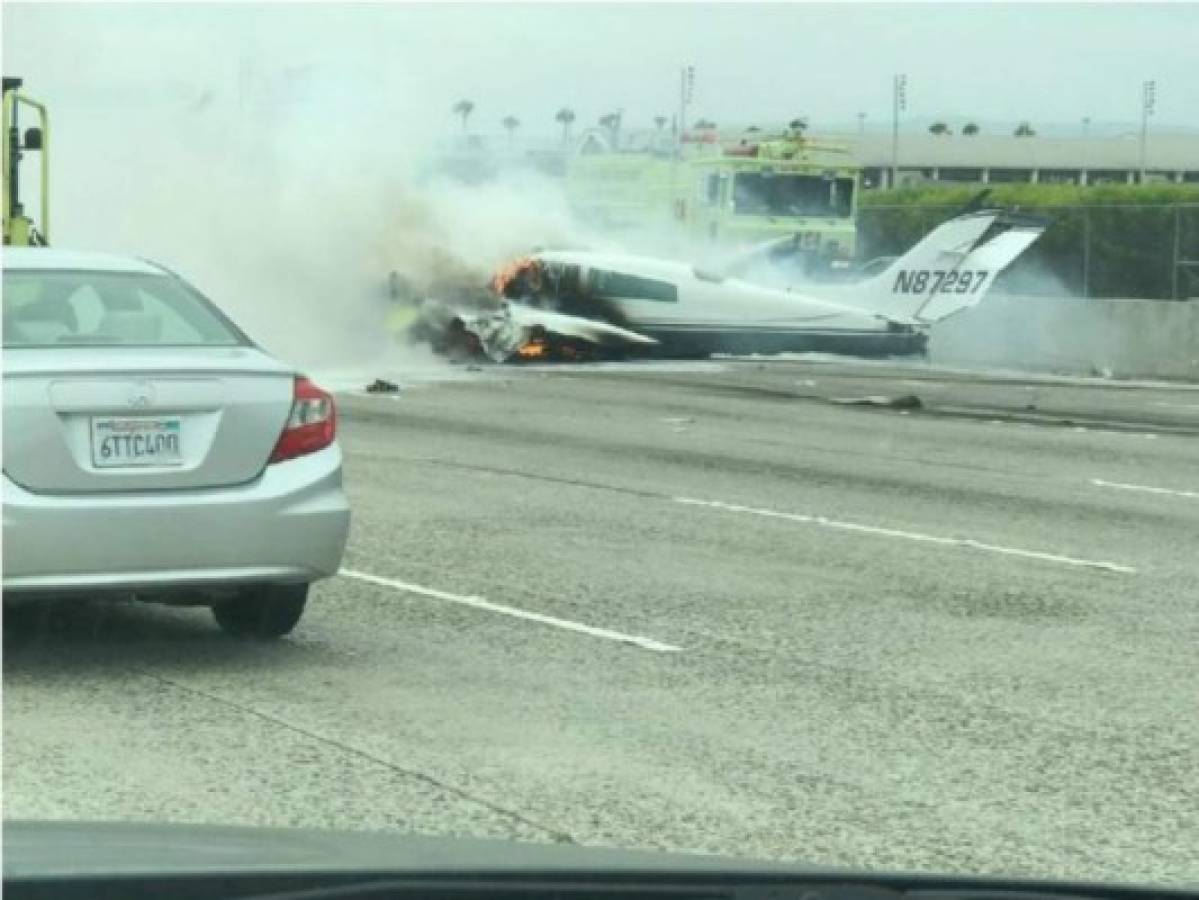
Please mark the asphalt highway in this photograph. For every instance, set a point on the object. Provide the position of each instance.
(856, 615)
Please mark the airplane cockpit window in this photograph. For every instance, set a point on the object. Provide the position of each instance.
(621, 286)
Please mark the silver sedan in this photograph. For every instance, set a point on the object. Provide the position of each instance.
(151, 449)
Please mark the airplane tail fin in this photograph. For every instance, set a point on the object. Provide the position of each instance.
(951, 269)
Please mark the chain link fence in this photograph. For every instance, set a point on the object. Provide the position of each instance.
(1116, 251)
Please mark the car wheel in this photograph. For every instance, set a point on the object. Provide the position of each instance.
(263, 611)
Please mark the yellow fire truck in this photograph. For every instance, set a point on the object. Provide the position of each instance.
(734, 192)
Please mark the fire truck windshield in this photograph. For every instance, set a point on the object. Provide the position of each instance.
(760, 193)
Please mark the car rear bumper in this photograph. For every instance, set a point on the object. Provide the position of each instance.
(289, 524)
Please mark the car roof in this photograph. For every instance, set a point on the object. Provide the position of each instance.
(45, 258)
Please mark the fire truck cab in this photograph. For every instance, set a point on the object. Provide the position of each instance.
(731, 193)
(753, 191)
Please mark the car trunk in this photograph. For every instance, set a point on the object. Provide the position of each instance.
(109, 419)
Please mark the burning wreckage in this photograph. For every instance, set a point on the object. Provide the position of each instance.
(583, 305)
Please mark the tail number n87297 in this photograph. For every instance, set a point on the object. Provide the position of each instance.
(939, 281)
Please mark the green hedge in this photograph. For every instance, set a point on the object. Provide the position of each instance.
(1102, 241)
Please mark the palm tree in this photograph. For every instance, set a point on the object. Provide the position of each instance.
(970, 129)
(611, 122)
(510, 123)
(565, 117)
(464, 108)
(799, 125)
(939, 128)
(660, 121)
(1024, 130)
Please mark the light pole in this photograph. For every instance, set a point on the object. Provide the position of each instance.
(1086, 150)
(899, 101)
(1148, 96)
(686, 89)
(861, 124)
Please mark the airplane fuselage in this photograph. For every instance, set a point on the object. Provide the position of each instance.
(588, 305)
(693, 313)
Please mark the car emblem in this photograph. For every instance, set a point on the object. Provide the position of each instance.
(141, 395)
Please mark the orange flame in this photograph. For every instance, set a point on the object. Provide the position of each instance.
(532, 350)
(513, 270)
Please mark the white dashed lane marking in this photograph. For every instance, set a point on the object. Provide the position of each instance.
(1144, 488)
(909, 535)
(644, 643)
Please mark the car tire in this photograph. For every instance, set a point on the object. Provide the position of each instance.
(264, 611)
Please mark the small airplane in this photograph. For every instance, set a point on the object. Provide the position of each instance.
(577, 305)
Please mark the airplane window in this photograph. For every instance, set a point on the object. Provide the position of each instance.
(620, 286)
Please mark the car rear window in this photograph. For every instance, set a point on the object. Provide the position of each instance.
(95, 309)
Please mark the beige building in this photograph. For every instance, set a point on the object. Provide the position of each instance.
(982, 159)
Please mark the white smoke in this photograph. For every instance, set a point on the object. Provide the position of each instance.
(288, 200)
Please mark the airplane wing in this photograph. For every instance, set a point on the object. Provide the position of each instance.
(516, 331)
(532, 324)
(740, 262)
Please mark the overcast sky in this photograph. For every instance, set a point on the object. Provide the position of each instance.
(406, 63)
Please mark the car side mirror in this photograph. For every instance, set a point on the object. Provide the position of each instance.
(33, 139)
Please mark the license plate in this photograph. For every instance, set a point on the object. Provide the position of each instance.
(137, 441)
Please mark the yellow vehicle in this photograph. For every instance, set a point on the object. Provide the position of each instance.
(19, 228)
(730, 193)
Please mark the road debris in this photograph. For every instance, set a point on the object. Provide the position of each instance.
(904, 401)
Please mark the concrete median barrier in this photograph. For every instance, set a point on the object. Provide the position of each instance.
(1115, 338)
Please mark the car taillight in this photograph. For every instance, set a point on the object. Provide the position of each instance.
(312, 424)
